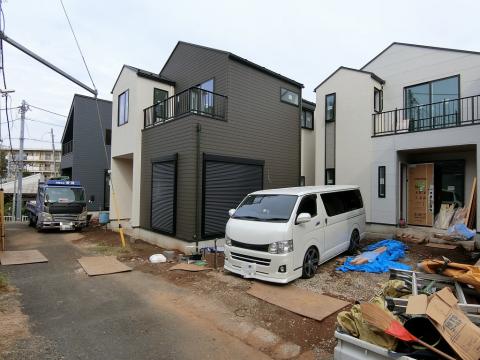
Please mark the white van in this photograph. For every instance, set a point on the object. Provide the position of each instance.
(279, 235)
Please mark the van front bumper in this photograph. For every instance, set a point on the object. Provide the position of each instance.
(261, 265)
(63, 225)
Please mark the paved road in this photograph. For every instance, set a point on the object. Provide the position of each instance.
(102, 317)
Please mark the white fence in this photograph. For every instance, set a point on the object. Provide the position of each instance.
(8, 218)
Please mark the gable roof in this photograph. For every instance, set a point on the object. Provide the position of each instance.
(374, 77)
(145, 74)
(308, 104)
(238, 59)
(72, 106)
(418, 46)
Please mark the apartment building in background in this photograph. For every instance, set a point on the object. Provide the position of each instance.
(35, 161)
(405, 127)
(86, 143)
(190, 142)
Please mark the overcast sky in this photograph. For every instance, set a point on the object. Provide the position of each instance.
(303, 40)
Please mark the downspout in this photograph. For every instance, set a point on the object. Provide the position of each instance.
(197, 185)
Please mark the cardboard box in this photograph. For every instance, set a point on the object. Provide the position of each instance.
(455, 327)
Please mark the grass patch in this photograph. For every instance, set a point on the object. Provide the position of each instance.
(3, 282)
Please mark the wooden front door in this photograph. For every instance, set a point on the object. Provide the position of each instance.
(420, 194)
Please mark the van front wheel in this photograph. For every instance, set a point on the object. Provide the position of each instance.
(354, 242)
(310, 263)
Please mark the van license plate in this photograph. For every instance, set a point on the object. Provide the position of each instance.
(249, 270)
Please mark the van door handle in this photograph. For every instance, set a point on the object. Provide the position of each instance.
(318, 223)
(326, 221)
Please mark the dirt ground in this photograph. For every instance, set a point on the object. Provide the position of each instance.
(231, 289)
(14, 324)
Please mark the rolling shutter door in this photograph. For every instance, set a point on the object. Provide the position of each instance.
(163, 196)
(226, 182)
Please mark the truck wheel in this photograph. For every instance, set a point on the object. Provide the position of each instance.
(354, 242)
(310, 263)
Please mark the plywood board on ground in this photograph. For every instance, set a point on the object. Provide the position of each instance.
(21, 257)
(189, 267)
(297, 300)
(102, 265)
(442, 246)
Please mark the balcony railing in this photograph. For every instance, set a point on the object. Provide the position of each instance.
(67, 147)
(439, 115)
(191, 101)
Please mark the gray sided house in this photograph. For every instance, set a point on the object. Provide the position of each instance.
(83, 153)
(232, 127)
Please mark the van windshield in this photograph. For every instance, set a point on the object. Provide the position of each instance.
(266, 208)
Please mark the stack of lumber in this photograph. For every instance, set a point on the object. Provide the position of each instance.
(472, 206)
(445, 216)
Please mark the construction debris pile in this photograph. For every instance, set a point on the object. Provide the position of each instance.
(377, 258)
(423, 316)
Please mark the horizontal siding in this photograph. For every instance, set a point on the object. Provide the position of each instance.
(258, 126)
(177, 136)
(191, 65)
(89, 160)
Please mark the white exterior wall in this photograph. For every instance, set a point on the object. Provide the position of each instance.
(402, 66)
(308, 156)
(358, 155)
(127, 141)
(353, 126)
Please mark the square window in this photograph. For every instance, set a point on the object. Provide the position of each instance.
(289, 97)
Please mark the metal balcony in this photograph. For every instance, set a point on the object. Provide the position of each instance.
(439, 115)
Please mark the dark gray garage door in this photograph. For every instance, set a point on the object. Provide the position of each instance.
(226, 181)
(164, 195)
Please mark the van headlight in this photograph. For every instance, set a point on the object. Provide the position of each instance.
(281, 247)
(228, 241)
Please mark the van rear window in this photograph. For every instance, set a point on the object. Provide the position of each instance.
(340, 202)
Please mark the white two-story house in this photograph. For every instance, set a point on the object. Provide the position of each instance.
(405, 127)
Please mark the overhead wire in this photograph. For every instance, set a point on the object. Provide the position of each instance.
(99, 117)
(48, 111)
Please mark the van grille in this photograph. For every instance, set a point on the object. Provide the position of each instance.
(251, 259)
(250, 246)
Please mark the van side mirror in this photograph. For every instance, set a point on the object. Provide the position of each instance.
(303, 218)
(231, 212)
(92, 199)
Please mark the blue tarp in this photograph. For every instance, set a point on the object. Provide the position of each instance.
(383, 262)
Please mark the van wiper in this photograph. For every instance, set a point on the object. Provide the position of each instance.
(246, 217)
(275, 219)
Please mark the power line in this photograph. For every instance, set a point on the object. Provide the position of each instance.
(38, 140)
(48, 111)
(44, 122)
(78, 45)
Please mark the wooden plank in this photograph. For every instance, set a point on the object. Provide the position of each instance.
(21, 257)
(297, 300)
(442, 246)
(102, 265)
(189, 267)
(470, 202)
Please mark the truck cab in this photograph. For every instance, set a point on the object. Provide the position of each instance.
(60, 204)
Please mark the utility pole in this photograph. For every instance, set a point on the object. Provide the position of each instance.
(53, 149)
(23, 110)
